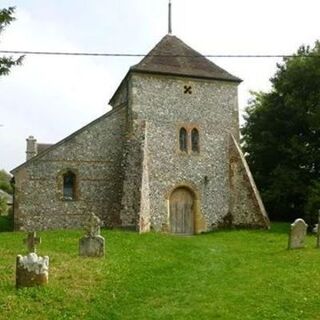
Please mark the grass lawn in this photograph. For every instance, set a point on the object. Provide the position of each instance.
(221, 275)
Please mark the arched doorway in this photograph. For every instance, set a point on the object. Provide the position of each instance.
(182, 211)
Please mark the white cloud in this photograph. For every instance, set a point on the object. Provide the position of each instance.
(50, 97)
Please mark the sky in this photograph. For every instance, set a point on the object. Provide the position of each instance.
(50, 97)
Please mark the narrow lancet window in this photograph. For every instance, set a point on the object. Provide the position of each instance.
(69, 185)
(183, 139)
(195, 140)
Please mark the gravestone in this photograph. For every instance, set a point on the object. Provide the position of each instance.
(297, 234)
(315, 229)
(31, 270)
(32, 241)
(92, 244)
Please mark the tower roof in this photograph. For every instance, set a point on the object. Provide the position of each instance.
(172, 56)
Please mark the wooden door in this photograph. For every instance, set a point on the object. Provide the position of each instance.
(181, 212)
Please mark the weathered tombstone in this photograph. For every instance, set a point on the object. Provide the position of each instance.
(315, 228)
(31, 270)
(32, 241)
(92, 244)
(297, 234)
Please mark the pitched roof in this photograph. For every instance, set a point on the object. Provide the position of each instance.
(43, 146)
(71, 136)
(172, 56)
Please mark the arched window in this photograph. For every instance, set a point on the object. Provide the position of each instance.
(195, 140)
(69, 185)
(183, 139)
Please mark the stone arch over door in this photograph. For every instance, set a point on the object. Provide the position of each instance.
(182, 211)
(200, 224)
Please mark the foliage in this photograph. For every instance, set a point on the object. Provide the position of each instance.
(5, 182)
(3, 205)
(313, 203)
(282, 136)
(6, 17)
(222, 275)
(5, 185)
(6, 223)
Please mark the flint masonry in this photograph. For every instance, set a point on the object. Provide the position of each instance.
(165, 158)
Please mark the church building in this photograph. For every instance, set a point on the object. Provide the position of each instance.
(165, 158)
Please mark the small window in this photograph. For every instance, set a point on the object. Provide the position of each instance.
(183, 139)
(69, 185)
(195, 140)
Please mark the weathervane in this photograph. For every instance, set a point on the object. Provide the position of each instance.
(170, 19)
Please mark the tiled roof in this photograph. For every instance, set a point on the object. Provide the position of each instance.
(172, 56)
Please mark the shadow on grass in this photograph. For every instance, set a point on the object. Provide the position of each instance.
(276, 227)
(6, 223)
(280, 227)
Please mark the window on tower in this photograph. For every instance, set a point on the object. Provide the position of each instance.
(195, 140)
(183, 140)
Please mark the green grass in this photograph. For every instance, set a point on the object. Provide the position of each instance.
(222, 275)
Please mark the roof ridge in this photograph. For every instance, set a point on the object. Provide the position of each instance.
(173, 56)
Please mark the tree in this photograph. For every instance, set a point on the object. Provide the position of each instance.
(281, 137)
(6, 17)
(3, 206)
(5, 182)
(5, 185)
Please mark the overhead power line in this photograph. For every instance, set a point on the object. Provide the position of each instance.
(97, 54)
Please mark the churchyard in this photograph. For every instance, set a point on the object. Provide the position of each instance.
(236, 274)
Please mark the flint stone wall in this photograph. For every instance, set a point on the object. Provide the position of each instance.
(128, 162)
(160, 104)
(95, 154)
(246, 207)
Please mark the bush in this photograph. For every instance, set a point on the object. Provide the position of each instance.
(6, 223)
(312, 206)
(3, 206)
(5, 182)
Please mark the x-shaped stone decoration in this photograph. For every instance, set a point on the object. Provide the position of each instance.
(187, 89)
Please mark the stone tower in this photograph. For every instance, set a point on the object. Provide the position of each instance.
(165, 158)
(185, 172)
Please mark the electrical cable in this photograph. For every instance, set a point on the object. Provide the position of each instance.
(96, 54)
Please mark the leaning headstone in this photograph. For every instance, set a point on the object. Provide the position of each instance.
(92, 244)
(297, 234)
(31, 270)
